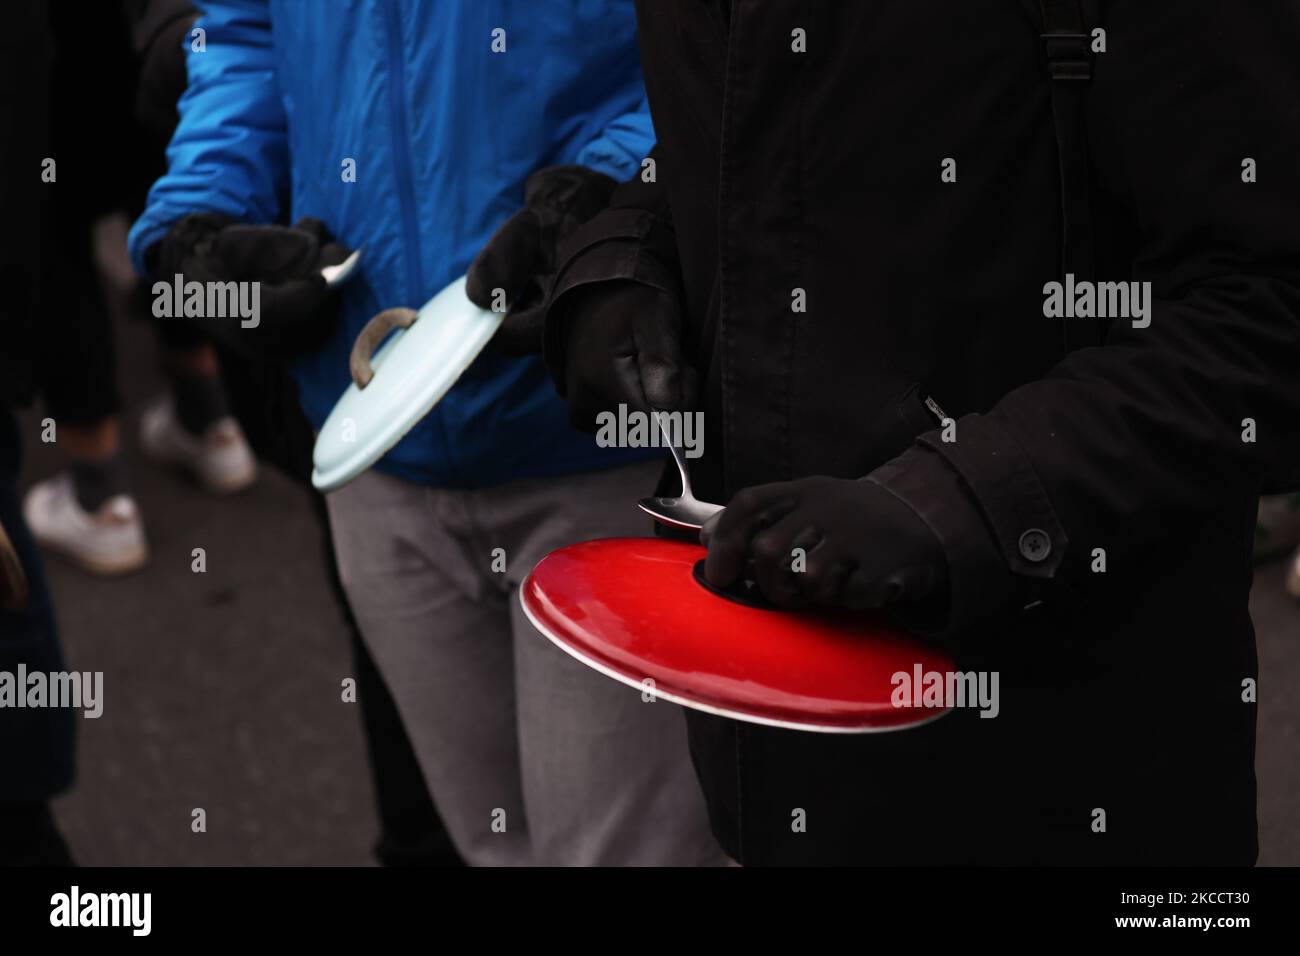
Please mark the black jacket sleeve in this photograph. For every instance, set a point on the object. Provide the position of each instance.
(1153, 429)
(632, 240)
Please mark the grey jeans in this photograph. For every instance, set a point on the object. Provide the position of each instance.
(531, 757)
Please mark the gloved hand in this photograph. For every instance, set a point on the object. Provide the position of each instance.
(863, 546)
(298, 309)
(520, 258)
(622, 345)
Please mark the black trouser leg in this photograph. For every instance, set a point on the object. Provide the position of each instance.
(36, 744)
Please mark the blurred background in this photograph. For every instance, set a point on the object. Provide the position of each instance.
(222, 689)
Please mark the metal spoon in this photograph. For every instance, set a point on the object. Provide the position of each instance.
(337, 275)
(684, 511)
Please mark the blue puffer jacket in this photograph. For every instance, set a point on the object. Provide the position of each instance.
(443, 132)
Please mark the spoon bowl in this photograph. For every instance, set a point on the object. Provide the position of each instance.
(681, 512)
(684, 511)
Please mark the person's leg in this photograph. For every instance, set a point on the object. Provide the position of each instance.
(264, 400)
(607, 776)
(36, 744)
(191, 428)
(29, 836)
(87, 512)
(94, 455)
(443, 648)
(410, 831)
(195, 380)
(91, 444)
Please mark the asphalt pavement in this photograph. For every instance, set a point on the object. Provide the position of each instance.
(223, 689)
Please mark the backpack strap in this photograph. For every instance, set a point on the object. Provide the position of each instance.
(1069, 60)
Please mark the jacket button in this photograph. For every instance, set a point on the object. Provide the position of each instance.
(1035, 545)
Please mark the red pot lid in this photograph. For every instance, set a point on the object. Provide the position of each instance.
(634, 609)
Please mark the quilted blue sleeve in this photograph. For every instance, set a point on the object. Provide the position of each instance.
(229, 153)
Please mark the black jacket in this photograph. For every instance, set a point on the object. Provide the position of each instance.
(1121, 691)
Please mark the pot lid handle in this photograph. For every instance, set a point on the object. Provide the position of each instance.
(373, 333)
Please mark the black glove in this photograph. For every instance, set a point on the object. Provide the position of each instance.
(622, 345)
(863, 546)
(520, 258)
(298, 309)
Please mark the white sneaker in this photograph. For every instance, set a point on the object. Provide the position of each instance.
(107, 541)
(220, 460)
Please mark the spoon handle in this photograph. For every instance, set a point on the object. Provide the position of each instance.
(677, 452)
